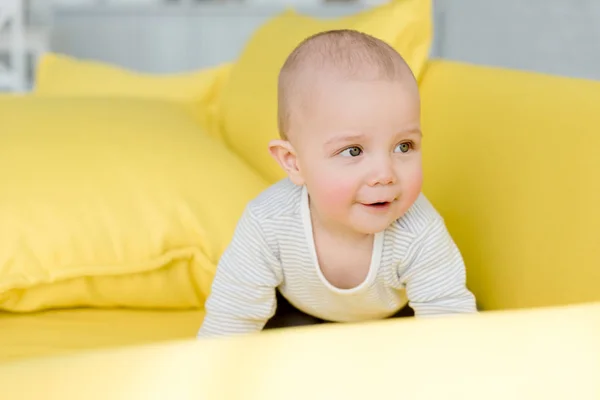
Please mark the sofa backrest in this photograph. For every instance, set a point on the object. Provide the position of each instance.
(511, 161)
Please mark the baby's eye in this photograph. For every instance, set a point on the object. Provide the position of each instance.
(404, 147)
(352, 152)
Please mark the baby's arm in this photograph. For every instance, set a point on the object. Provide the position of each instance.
(242, 297)
(435, 277)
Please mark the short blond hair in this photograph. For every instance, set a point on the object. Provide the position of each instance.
(345, 52)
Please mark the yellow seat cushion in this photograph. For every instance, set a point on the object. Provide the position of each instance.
(60, 332)
(197, 91)
(511, 161)
(112, 202)
(248, 106)
(535, 354)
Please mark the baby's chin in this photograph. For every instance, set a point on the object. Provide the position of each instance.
(374, 221)
(372, 227)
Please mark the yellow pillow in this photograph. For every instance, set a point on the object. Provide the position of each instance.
(511, 161)
(112, 202)
(197, 91)
(248, 106)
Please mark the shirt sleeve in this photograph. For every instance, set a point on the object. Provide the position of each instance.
(242, 297)
(435, 278)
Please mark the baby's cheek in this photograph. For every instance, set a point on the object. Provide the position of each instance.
(335, 193)
(412, 184)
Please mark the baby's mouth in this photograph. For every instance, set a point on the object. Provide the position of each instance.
(378, 205)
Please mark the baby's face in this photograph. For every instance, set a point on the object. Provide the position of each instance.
(358, 145)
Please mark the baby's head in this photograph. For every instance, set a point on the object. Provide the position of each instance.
(349, 120)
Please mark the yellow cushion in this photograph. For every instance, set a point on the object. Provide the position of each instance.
(58, 332)
(540, 354)
(197, 91)
(248, 106)
(511, 161)
(112, 202)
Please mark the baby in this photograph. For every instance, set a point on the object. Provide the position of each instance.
(347, 236)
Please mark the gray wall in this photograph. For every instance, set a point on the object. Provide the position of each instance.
(551, 36)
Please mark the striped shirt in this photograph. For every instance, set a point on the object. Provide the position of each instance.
(414, 261)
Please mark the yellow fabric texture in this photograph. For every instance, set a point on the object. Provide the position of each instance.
(248, 106)
(60, 332)
(536, 354)
(511, 161)
(197, 91)
(112, 202)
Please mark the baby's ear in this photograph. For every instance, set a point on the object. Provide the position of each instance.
(283, 152)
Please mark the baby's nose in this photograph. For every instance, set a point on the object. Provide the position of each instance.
(383, 173)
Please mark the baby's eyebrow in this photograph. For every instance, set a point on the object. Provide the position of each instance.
(354, 137)
(412, 131)
(358, 137)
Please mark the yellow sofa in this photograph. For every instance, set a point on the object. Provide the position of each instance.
(116, 206)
